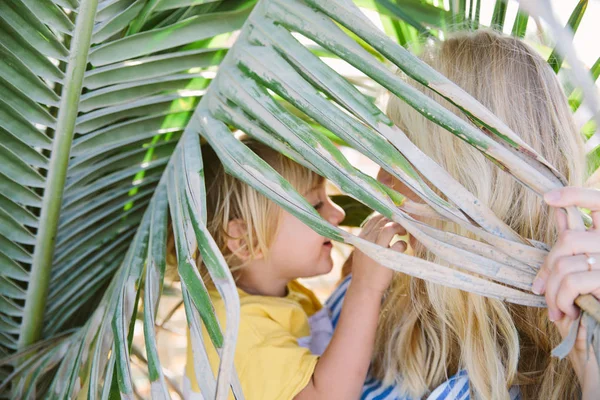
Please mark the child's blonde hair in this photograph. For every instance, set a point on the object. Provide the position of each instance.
(428, 332)
(228, 199)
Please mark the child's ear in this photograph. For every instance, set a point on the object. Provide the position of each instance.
(237, 244)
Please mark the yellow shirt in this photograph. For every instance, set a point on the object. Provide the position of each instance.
(269, 362)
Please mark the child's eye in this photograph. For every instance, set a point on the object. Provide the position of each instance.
(318, 205)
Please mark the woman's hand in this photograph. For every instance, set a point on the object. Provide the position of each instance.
(566, 272)
(572, 268)
(366, 272)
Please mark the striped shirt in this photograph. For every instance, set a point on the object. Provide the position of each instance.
(455, 388)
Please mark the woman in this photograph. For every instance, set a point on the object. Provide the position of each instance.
(442, 343)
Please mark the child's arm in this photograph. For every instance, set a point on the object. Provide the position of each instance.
(341, 371)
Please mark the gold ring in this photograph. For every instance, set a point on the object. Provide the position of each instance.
(590, 261)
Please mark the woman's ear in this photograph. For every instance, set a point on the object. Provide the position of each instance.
(237, 242)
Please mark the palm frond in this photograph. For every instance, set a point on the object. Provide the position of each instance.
(564, 46)
(97, 95)
(103, 148)
(555, 60)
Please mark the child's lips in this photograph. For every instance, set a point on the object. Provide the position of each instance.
(328, 244)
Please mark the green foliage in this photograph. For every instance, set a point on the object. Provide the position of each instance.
(555, 60)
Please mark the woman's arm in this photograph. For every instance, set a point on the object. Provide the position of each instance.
(569, 271)
(342, 369)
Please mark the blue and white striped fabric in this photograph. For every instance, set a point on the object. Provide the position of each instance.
(455, 388)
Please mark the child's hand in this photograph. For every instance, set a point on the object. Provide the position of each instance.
(341, 370)
(367, 273)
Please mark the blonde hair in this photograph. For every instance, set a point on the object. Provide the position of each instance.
(429, 332)
(228, 198)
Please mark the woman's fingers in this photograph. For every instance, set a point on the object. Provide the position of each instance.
(579, 197)
(563, 267)
(539, 283)
(561, 220)
(576, 284)
(573, 242)
(568, 243)
(574, 196)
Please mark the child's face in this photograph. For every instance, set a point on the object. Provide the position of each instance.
(297, 250)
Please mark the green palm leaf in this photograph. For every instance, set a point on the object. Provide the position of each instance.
(581, 77)
(499, 14)
(97, 95)
(102, 146)
(520, 24)
(555, 60)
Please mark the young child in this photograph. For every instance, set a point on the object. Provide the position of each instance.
(267, 249)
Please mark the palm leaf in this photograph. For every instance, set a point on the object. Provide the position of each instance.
(400, 13)
(576, 97)
(97, 96)
(555, 60)
(477, 14)
(499, 14)
(419, 12)
(520, 24)
(581, 77)
(123, 155)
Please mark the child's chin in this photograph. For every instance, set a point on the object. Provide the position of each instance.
(320, 270)
(326, 269)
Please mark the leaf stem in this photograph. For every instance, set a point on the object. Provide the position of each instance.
(37, 290)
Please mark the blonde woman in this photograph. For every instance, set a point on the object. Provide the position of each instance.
(439, 343)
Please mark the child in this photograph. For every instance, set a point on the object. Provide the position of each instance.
(267, 249)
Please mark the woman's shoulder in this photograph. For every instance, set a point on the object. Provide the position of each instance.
(455, 388)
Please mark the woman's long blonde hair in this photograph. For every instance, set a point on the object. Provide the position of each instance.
(228, 198)
(429, 332)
